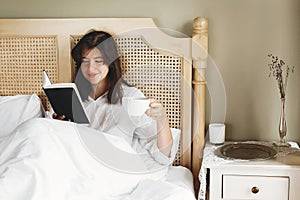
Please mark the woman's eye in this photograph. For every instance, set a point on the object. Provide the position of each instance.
(85, 61)
(99, 61)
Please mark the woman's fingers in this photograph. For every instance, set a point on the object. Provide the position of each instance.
(54, 115)
(156, 110)
(61, 117)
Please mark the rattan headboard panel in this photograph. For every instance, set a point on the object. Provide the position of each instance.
(23, 58)
(158, 75)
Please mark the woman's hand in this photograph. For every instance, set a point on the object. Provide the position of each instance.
(164, 137)
(156, 111)
(61, 117)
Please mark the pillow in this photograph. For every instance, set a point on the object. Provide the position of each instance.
(18, 109)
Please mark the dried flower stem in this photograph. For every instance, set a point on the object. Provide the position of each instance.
(277, 70)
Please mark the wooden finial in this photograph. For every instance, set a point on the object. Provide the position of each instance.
(200, 25)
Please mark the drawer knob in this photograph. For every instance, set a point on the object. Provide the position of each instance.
(254, 190)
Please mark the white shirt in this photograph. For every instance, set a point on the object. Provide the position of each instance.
(140, 132)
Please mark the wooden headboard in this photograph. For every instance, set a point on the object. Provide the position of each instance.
(168, 68)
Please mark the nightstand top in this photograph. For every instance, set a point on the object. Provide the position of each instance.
(285, 156)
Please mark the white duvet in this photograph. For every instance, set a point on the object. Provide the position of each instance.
(46, 159)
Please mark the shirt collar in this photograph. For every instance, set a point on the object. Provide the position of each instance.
(99, 98)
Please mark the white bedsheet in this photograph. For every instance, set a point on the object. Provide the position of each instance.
(49, 159)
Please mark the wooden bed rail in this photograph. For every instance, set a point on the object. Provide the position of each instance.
(199, 55)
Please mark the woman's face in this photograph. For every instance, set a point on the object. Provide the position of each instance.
(93, 67)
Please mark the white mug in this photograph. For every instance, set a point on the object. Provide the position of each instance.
(216, 133)
(136, 106)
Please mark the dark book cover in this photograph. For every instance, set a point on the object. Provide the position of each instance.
(65, 100)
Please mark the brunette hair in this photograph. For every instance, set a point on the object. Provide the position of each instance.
(107, 46)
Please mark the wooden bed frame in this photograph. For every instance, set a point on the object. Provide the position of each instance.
(168, 68)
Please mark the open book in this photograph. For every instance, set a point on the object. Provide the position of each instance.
(65, 100)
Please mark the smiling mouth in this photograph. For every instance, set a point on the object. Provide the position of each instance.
(92, 75)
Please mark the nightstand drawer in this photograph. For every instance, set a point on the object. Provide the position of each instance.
(255, 187)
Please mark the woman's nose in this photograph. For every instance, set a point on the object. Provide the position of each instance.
(90, 65)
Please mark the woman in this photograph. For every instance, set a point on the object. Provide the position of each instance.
(100, 83)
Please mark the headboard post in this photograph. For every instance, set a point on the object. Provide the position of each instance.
(199, 55)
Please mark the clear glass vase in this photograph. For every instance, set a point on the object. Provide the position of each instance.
(282, 125)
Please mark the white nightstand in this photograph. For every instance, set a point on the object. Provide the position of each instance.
(276, 179)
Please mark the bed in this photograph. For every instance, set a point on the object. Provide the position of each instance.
(171, 69)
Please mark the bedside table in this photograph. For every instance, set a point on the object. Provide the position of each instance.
(229, 179)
